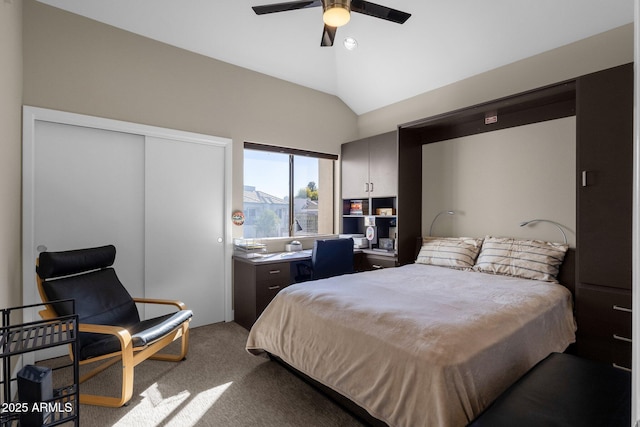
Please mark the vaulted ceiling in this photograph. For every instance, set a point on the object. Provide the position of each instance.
(442, 42)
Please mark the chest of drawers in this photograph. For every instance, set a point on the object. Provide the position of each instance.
(603, 316)
(254, 286)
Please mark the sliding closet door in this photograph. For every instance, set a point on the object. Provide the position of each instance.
(184, 226)
(88, 191)
(159, 195)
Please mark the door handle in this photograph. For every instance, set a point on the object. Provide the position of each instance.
(621, 338)
(620, 308)
(584, 178)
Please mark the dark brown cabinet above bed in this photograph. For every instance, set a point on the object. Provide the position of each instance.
(604, 123)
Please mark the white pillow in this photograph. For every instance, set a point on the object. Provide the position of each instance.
(529, 259)
(453, 252)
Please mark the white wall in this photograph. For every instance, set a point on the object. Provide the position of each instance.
(496, 180)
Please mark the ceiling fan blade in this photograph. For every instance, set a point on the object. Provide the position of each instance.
(378, 11)
(328, 35)
(283, 7)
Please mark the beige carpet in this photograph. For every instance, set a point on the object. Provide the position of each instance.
(219, 384)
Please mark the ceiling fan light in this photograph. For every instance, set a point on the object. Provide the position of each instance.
(336, 13)
(350, 43)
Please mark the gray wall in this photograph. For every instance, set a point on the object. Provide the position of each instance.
(456, 173)
(606, 50)
(496, 180)
(10, 149)
(74, 64)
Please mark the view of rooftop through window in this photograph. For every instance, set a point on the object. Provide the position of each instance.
(278, 184)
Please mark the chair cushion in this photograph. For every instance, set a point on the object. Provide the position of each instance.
(100, 299)
(142, 334)
(57, 264)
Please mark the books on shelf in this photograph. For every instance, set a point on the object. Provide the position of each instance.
(356, 207)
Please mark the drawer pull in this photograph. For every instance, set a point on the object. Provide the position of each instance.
(274, 271)
(625, 309)
(619, 338)
(615, 365)
(273, 288)
(376, 266)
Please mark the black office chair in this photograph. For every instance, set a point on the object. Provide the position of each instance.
(109, 324)
(329, 257)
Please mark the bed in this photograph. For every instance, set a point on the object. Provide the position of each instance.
(424, 344)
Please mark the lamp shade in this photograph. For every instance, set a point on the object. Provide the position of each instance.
(336, 13)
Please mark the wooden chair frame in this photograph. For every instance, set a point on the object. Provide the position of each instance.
(128, 355)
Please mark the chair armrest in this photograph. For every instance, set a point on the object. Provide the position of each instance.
(178, 304)
(121, 333)
(104, 329)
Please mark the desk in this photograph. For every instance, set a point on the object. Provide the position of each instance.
(256, 281)
(270, 258)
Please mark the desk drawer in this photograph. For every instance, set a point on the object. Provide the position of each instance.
(270, 279)
(374, 262)
(278, 273)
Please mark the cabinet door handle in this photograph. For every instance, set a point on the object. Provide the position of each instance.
(621, 338)
(625, 309)
(273, 288)
(371, 185)
(274, 271)
(366, 187)
(615, 365)
(584, 178)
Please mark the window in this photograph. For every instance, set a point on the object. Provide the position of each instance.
(287, 192)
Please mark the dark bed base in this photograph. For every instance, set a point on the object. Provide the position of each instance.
(344, 402)
(564, 391)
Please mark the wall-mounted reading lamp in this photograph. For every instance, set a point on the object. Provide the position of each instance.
(532, 221)
(436, 217)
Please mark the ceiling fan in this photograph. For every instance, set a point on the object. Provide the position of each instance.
(336, 13)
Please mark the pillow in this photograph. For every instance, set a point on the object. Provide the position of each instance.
(453, 252)
(528, 259)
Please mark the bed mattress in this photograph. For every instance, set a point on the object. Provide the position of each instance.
(417, 345)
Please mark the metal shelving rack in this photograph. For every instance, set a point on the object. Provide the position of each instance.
(18, 339)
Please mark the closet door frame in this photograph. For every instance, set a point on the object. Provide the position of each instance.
(31, 115)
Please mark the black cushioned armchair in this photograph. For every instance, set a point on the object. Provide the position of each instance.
(110, 328)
